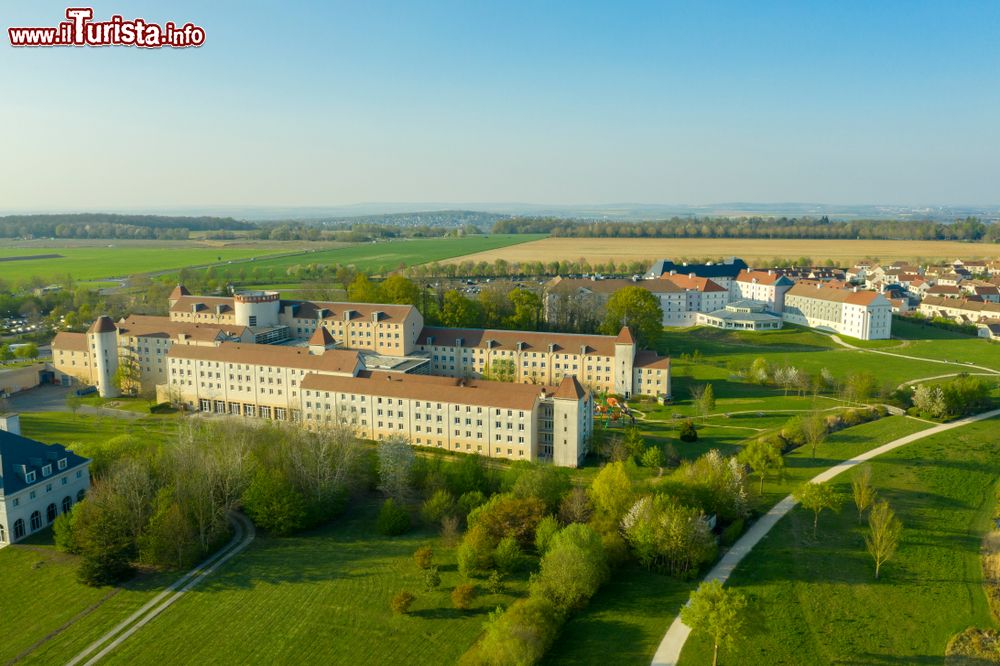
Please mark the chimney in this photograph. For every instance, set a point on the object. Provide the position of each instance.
(10, 423)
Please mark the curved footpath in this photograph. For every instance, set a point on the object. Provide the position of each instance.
(669, 651)
(243, 534)
(843, 343)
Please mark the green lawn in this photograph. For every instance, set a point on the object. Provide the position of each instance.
(320, 597)
(65, 428)
(815, 601)
(627, 618)
(50, 616)
(382, 257)
(92, 263)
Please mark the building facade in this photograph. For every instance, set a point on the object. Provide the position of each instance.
(865, 315)
(38, 482)
(765, 287)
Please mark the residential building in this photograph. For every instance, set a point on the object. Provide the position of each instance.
(865, 315)
(960, 310)
(701, 294)
(766, 287)
(38, 482)
(722, 273)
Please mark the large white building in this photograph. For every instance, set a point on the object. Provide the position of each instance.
(38, 482)
(374, 366)
(765, 287)
(865, 315)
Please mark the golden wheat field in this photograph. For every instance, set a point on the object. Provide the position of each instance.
(842, 252)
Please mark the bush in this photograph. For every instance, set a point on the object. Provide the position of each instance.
(424, 557)
(392, 518)
(732, 532)
(162, 408)
(545, 482)
(62, 533)
(401, 602)
(506, 515)
(544, 533)
(440, 504)
(508, 556)
(572, 569)
(463, 595)
(520, 636)
(431, 579)
(652, 457)
(450, 530)
(475, 555)
(688, 433)
(494, 584)
(471, 500)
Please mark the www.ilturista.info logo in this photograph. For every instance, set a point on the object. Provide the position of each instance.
(81, 30)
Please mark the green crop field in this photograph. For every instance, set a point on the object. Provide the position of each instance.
(93, 263)
(380, 257)
(815, 601)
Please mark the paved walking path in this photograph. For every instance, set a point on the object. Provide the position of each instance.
(243, 534)
(992, 371)
(669, 651)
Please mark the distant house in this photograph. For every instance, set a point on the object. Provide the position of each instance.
(990, 329)
(866, 315)
(38, 482)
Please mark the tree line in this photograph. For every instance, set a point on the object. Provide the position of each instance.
(111, 225)
(968, 229)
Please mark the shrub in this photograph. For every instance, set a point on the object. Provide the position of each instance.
(494, 584)
(439, 505)
(401, 602)
(506, 515)
(688, 433)
(520, 636)
(544, 533)
(392, 518)
(424, 557)
(572, 569)
(62, 533)
(732, 532)
(463, 595)
(508, 556)
(652, 457)
(471, 500)
(475, 555)
(431, 579)
(449, 530)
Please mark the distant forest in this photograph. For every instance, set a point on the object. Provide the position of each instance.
(968, 229)
(107, 225)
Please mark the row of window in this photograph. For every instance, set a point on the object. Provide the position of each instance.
(35, 520)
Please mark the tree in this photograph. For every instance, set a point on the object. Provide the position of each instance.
(703, 397)
(401, 602)
(572, 569)
(546, 529)
(5, 353)
(668, 535)
(688, 432)
(27, 351)
(128, 375)
(884, 530)
(402, 291)
(763, 455)
(814, 431)
(636, 308)
(363, 290)
(74, 402)
(508, 555)
(424, 557)
(817, 497)
(759, 372)
(501, 370)
(439, 505)
(395, 468)
(718, 612)
(652, 457)
(274, 504)
(861, 489)
(527, 310)
(459, 312)
(432, 578)
(611, 491)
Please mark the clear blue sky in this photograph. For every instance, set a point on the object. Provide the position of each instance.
(547, 102)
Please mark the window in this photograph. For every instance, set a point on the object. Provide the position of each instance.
(80, 495)
(36, 521)
(50, 514)
(18, 529)
(67, 504)
(29, 477)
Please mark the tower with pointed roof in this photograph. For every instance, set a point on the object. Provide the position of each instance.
(625, 348)
(103, 338)
(572, 410)
(320, 341)
(178, 292)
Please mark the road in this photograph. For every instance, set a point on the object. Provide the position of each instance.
(243, 534)
(669, 651)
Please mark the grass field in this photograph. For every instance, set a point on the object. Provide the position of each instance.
(93, 263)
(815, 601)
(842, 252)
(627, 618)
(318, 597)
(383, 257)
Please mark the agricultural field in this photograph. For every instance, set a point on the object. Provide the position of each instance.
(754, 250)
(815, 600)
(381, 257)
(123, 258)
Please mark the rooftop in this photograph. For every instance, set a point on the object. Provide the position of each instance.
(19, 454)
